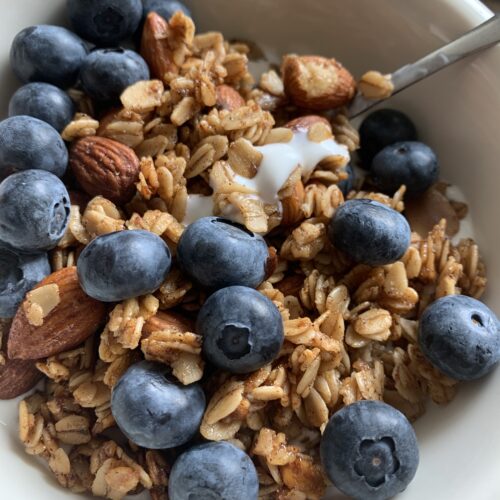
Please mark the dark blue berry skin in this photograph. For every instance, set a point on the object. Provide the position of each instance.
(19, 273)
(119, 266)
(49, 54)
(106, 73)
(34, 211)
(347, 185)
(154, 410)
(411, 163)
(459, 335)
(29, 143)
(383, 128)
(369, 451)
(218, 253)
(165, 8)
(45, 102)
(216, 470)
(242, 329)
(104, 22)
(369, 232)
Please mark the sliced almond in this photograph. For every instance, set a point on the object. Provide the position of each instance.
(40, 302)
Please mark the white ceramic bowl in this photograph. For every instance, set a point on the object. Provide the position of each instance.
(457, 112)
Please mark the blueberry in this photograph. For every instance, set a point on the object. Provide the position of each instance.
(459, 335)
(242, 329)
(347, 185)
(122, 265)
(104, 22)
(383, 128)
(34, 211)
(165, 8)
(369, 232)
(154, 410)
(369, 450)
(19, 274)
(45, 102)
(29, 143)
(411, 163)
(106, 73)
(216, 470)
(218, 253)
(47, 54)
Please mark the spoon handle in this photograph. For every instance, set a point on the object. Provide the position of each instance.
(483, 36)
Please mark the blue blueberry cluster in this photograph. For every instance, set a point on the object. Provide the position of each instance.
(154, 410)
(390, 150)
(369, 450)
(369, 232)
(119, 266)
(213, 470)
(460, 336)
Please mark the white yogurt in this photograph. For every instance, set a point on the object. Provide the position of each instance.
(278, 162)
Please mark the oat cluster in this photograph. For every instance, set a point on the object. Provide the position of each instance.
(350, 329)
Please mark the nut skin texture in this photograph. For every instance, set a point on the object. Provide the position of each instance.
(17, 377)
(155, 48)
(49, 54)
(72, 321)
(106, 73)
(19, 273)
(369, 232)
(216, 470)
(104, 22)
(45, 102)
(383, 128)
(155, 411)
(218, 253)
(22, 138)
(317, 83)
(411, 163)
(228, 98)
(34, 211)
(242, 330)
(459, 336)
(122, 265)
(105, 167)
(369, 451)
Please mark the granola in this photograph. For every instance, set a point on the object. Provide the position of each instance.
(350, 329)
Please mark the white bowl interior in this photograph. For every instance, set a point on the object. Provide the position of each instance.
(457, 113)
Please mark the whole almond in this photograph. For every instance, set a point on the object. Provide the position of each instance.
(228, 98)
(317, 83)
(16, 376)
(167, 321)
(155, 48)
(75, 318)
(105, 167)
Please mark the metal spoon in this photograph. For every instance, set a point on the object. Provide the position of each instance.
(483, 36)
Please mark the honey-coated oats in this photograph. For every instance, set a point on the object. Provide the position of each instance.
(350, 329)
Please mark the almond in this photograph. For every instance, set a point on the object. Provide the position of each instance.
(164, 320)
(304, 123)
(56, 329)
(317, 83)
(105, 167)
(292, 205)
(155, 48)
(228, 98)
(16, 376)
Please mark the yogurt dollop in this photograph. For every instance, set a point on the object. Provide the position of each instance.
(278, 162)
